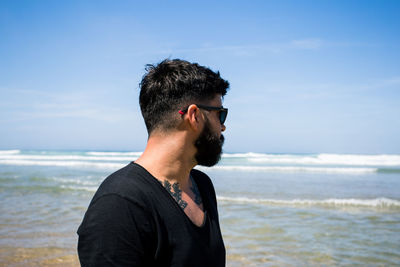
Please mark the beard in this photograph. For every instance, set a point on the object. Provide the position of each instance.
(209, 147)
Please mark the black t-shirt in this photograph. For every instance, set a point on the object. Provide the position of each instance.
(133, 221)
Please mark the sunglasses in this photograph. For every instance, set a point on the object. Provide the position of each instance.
(223, 112)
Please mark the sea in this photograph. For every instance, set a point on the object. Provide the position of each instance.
(275, 209)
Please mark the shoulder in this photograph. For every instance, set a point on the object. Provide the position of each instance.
(131, 182)
(201, 178)
(204, 183)
(122, 197)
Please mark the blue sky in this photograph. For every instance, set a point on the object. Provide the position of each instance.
(306, 76)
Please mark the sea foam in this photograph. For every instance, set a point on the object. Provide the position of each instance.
(9, 152)
(67, 157)
(328, 159)
(95, 153)
(33, 161)
(292, 169)
(348, 202)
(103, 165)
(249, 162)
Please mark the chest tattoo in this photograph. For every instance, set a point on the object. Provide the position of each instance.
(175, 192)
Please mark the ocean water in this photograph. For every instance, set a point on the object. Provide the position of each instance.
(275, 209)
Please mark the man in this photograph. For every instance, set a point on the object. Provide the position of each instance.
(158, 210)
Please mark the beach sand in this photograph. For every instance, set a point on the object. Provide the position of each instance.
(12, 256)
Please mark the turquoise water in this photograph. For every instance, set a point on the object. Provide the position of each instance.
(275, 209)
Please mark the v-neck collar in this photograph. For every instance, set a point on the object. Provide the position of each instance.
(153, 180)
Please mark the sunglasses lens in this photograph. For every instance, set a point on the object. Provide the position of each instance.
(222, 116)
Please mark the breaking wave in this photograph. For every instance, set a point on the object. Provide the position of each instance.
(9, 152)
(105, 165)
(249, 162)
(296, 169)
(94, 153)
(327, 159)
(331, 202)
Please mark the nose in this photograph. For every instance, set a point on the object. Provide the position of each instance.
(223, 127)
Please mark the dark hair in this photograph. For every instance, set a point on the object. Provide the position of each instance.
(173, 84)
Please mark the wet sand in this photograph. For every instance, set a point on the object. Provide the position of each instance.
(13, 257)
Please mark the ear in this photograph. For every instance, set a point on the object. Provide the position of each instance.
(193, 115)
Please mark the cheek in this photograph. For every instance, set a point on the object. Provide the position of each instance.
(216, 128)
(216, 122)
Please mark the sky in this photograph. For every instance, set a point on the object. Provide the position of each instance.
(305, 76)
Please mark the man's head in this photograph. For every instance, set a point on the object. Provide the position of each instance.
(171, 85)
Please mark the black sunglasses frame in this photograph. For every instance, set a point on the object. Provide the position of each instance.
(223, 112)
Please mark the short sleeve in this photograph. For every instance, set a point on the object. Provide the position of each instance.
(115, 232)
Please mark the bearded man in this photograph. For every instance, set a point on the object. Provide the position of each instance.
(158, 210)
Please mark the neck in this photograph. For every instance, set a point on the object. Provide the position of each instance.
(169, 157)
